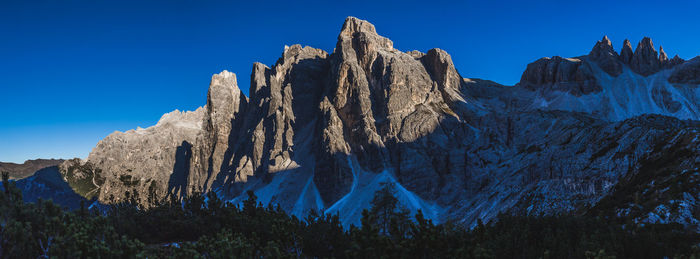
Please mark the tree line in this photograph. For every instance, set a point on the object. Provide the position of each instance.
(204, 226)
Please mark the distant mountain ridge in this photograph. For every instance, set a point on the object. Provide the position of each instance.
(29, 167)
(616, 87)
(323, 131)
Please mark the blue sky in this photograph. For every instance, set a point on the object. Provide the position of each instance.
(71, 72)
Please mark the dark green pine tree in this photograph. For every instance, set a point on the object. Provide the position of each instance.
(386, 213)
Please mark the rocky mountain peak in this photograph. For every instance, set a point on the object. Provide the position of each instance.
(29, 167)
(603, 48)
(296, 52)
(362, 34)
(606, 57)
(323, 131)
(353, 25)
(676, 60)
(224, 98)
(626, 52)
(646, 46)
(439, 64)
(225, 102)
(645, 60)
(663, 58)
(560, 74)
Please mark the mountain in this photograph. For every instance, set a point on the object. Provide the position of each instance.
(48, 184)
(616, 87)
(42, 179)
(29, 167)
(324, 131)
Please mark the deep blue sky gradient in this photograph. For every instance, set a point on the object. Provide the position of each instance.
(71, 72)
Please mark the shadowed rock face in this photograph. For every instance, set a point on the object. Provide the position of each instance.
(321, 131)
(47, 184)
(645, 60)
(604, 54)
(563, 74)
(687, 72)
(615, 87)
(577, 76)
(626, 52)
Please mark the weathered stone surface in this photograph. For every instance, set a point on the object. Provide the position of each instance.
(563, 74)
(604, 54)
(645, 60)
(687, 72)
(676, 60)
(626, 52)
(323, 132)
(211, 155)
(663, 58)
(159, 155)
(26, 169)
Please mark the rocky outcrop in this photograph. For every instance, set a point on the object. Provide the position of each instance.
(575, 75)
(158, 156)
(676, 60)
(323, 131)
(385, 97)
(48, 184)
(686, 73)
(225, 104)
(570, 75)
(645, 60)
(29, 167)
(605, 56)
(615, 87)
(626, 52)
(663, 58)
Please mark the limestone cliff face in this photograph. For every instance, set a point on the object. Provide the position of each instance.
(181, 154)
(323, 131)
(211, 151)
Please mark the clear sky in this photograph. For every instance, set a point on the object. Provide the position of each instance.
(71, 72)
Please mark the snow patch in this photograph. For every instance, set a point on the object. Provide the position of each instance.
(365, 185)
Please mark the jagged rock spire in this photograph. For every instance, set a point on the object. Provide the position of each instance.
(602, 49)
(645, 60)
(626, 52)
(225, 102)
(606, 57)
(663, 58)
(224, 98)
(353, 26)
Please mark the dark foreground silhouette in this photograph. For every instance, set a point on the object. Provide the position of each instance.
(207, 227)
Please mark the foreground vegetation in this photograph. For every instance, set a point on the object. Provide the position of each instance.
(207, 227)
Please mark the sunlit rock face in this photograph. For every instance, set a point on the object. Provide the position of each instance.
(323, 131)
